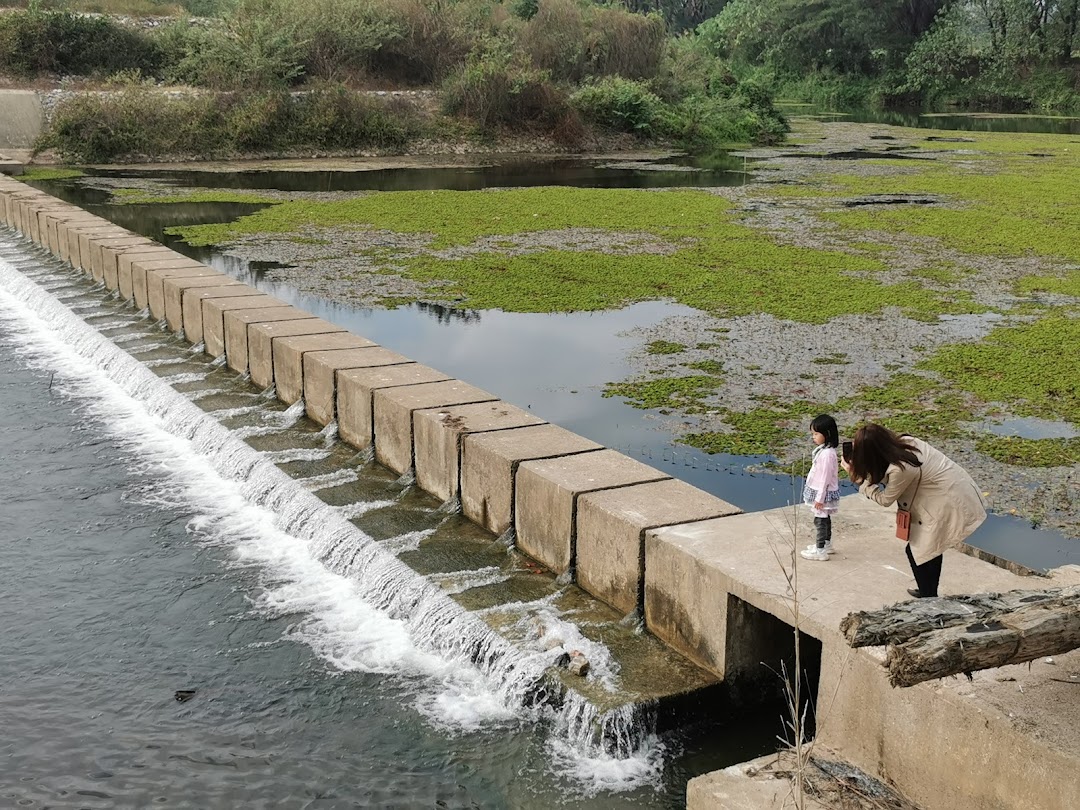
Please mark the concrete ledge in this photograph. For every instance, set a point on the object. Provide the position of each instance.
(438, 434)
(156, 279)
(261, 337)
(104, 253)
(236, 324)
(289, 359)
(546, 500)
(320, 371)
(88, 242)
(611, 526)
(393, 415)
(68, 234)
(489, 464)
(179, 288)
(356, 394)
(53, 223)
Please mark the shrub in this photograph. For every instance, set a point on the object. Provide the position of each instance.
(35, 42)
(620, 105)
(499, 89)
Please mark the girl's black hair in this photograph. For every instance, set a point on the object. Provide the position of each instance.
(826, 426)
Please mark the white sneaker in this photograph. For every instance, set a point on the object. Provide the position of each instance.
(828, 547)
(815, 553)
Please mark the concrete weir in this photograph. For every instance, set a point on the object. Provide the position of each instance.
(709, 581)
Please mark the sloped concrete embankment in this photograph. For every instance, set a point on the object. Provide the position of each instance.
(708, 580)
(21, 121)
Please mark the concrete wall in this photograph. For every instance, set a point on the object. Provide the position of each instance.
(698, 569)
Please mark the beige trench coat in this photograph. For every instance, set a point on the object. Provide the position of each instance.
(944, 501)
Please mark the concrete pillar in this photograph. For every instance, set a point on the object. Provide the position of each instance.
(546, 500)
(261, 337)
(438, 435)
(289, 359)
(393, 415)
(155, 283)
(320, 375)
(176, 288)
(52, 222)
(59, 230)
(39, 215)
(72, 252)
(236, 330)
(107, 253)
(191, 305)
(147, 253)
(140, 267)
(356, 393)
(489, 465)
(88, 241)
(213, 316)
(611, 527)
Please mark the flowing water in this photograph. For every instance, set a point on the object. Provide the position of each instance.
(208, 604)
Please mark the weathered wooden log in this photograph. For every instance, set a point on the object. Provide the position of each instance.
(907, 620)
(1021, 635)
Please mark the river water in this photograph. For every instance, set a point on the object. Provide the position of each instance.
(180, 628)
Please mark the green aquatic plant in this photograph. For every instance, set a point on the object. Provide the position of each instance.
(685, 393)
(665, 347)
(1030, 452)
(35, 173)
(138, 196)
(708, 366)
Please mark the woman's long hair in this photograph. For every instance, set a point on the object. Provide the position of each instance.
(876, 447)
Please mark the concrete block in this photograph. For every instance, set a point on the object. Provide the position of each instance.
(489, 464)
(104, 252)
(546, 499)
(236, 330)
(611, 527)
(52, 222)
(213, 317)
(175, 288)
(320, 375)
(88, 241)
(356, 393)
(191, 306)
(23, 202)
(60, 228)
(72, 252)
(40, 213)
(289, 359)
(140, 267)
(393, 415)
(438, 434)
(106, 256)
(155, 283)
(140, 253)
(261, 337)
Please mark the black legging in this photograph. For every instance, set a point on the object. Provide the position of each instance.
(927, 575)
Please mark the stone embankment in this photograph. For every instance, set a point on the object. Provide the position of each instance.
(713, 583)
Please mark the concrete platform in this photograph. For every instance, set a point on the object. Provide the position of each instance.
(611, 527)
(393, 415)
(261, 337)
(289, 359)
(320, 375)
(236, 329)
(438, 435)
(356, 397)
(546, 500)
(489, 465)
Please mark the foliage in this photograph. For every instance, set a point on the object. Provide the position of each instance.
(35, 42)
(620, 105)
(142, 123)
(665, 347)
(666, 392)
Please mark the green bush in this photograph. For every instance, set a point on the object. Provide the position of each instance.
(499, 90)
(139, 123)
(36, 42)
(620, 105)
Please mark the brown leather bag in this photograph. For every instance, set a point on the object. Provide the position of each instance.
(903, 516)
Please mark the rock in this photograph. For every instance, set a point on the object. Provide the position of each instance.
(579, 665)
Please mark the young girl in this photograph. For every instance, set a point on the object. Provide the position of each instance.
(822, 490)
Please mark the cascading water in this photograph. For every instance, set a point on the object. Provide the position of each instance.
(435, 622)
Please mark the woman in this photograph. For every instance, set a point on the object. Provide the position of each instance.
(944, 502)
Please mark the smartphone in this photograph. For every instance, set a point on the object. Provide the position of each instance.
(845, 450)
